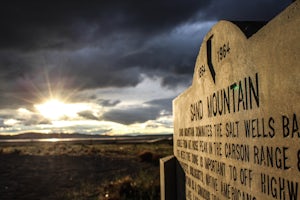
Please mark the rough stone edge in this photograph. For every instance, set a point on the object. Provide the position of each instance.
(168, 178)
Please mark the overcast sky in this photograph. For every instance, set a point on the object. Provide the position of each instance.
(117, 64)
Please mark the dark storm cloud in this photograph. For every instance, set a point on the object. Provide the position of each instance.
(2, 125)
(108, 102)
(87, 115)
(62, 24)
(148, 111)
(76, 45)
(255, 10)
(131, 115)
(163, 104)
(25, 120)
(34, 120)
(79, 43)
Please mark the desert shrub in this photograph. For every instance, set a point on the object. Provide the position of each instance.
(145, 156)
(16, 151)
(149, 157)
(128, 188)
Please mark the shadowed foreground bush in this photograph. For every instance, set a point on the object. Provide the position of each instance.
(150, 157)
(129, 188)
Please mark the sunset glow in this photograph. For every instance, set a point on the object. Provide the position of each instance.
(55, 109)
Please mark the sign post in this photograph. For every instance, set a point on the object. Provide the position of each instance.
(236, 129)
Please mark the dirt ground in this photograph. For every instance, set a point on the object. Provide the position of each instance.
(80, 171)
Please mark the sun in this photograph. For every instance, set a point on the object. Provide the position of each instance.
(52, 109)
(55, 109)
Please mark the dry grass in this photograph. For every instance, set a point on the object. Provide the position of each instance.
(81, 171)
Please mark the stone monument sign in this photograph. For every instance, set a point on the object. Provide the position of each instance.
(236, 129)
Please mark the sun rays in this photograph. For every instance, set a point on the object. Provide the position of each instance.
(55, 109)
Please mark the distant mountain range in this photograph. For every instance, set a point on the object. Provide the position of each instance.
(33, 135)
